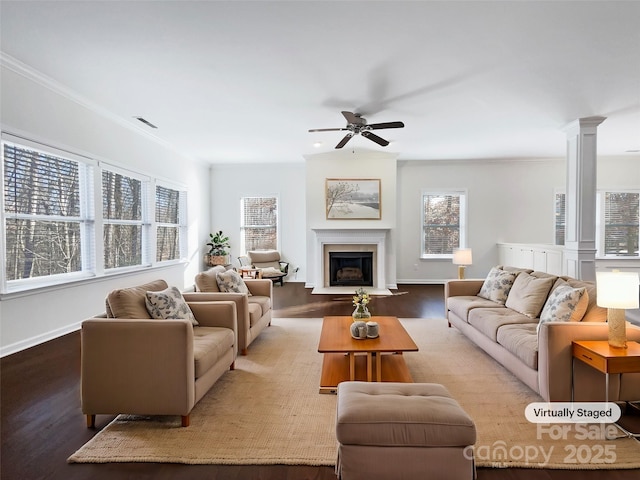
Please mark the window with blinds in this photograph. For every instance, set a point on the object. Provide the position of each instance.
(259, 223)
(617, 225)
(43, 216)
(51, 218)
(443, 223)
(621, 222)
(170, 203)
(123, 225)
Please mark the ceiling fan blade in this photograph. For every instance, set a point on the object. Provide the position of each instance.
(344, 141)
(352, 117)
(375, 138)
(378, 126)
(327, 129)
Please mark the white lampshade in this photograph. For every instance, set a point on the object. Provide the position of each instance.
(462, 256)
(617, 289)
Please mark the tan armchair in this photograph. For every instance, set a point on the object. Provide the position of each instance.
(270, 264)
(254, 311)
(133, 364)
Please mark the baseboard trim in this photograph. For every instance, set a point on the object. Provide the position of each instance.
(38, 339)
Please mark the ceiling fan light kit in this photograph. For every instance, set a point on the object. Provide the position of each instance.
(357, 125)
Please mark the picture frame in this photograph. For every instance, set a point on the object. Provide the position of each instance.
(353, 199)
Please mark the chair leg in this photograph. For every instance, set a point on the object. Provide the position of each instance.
(185, 420)
(243, 351)
(91, 421)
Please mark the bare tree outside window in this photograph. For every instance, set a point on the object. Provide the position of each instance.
(259, 227)
(42, 214)
(442, 223)
(122, 217)
(168, 223)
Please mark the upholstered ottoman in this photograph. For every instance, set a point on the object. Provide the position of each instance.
(402, 431)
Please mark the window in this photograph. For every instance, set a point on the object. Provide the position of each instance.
(45, 221)
(170, 205)
(617, 223)
(443, 223)
(259, 223)
(123, 226)
(53, 220)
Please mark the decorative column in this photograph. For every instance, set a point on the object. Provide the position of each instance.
(580, 206)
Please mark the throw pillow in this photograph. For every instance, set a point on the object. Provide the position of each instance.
(497, 285)
(231, 281)
(565, 304)
(168, 304)
(528, 294)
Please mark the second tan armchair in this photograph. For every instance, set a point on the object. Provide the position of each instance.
(254, 311)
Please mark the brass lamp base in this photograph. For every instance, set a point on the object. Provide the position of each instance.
(461, 271)
(617, 327)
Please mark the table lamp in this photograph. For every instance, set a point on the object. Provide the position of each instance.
(616, 291)
(462, 258)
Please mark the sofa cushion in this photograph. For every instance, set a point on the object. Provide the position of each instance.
(168, 304)
(130, 302)
(497, 285)
(565, 304)
(264, 302)
(231, 281)
(461, 305)
(529, 293)
(594, 313)
(489, 320)
(207, 281)
(255, 313)
(522, 341)
(209, 345)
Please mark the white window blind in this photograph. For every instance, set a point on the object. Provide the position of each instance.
(169, 224)
(443, 223)
(259, 223)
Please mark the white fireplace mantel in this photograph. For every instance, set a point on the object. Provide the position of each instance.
(356, 236)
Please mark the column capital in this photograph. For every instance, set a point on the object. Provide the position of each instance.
(584, 124)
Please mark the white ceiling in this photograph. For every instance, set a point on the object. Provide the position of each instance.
(240, 81)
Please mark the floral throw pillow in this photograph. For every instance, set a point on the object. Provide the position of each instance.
(168, 304)
(565, 304)
(497, 285)
(231, 281)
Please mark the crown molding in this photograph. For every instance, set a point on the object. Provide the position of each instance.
(30, 73)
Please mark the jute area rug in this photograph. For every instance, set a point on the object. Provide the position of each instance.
(268, 410)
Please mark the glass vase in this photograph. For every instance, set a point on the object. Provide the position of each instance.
(361, 313)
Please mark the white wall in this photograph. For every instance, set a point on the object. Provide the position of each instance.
(351, 163)
(286, 181)
(43, 112)
(508, 201)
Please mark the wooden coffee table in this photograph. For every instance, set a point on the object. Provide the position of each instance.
(346, 358)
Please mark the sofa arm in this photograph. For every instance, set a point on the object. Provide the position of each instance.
(261, 287)
(137, 367)
(216, 314)
(555, 361)
(457, 288)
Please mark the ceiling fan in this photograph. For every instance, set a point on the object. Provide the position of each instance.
(356, 124)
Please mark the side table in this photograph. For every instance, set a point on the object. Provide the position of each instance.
(606, 359)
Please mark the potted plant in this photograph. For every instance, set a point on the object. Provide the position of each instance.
(218, 244)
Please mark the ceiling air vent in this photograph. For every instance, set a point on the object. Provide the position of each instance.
(146, 122)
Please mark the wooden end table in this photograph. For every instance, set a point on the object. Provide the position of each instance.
(346, 358)
(606, 359)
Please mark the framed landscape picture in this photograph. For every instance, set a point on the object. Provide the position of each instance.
(352, 199)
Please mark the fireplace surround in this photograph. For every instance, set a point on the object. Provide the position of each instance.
(350, 240)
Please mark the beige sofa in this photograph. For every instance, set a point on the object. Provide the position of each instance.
(133, 364)
(254, 310)
(540, 356)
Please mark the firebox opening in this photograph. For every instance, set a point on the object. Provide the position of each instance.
(351, 269)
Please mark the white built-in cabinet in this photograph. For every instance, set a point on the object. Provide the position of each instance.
(539, 257)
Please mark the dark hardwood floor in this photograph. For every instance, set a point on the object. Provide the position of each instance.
(41, 421)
